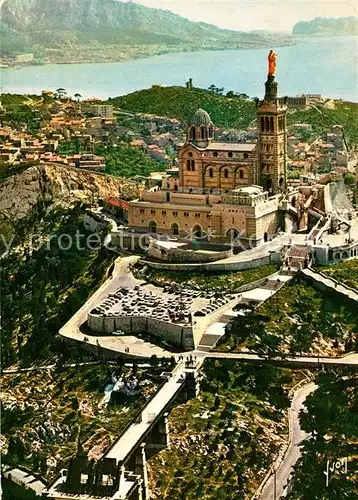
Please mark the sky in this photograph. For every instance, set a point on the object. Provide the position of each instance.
(246, 15)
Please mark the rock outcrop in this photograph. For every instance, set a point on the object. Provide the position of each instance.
(20, 193)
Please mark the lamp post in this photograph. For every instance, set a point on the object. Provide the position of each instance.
(350, 217)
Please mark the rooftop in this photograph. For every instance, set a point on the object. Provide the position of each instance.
(248, 190)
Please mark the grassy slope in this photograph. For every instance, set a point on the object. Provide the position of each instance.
(177, 102)
(222, 446)
(344, 272)
(298, 319)
(224, 281)
(345, 113)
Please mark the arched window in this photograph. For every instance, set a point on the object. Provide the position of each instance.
(282, 182)
(246, 156)
(226, 173)
(262, 120)
(190, 154)
(175, 187)
(215, 153)
(211, 132)
(197, 231)
(241, 174)
(193, 133)
(271, 124)
(188, 165)
(230, 155)
(267, 124)
(168, 197)
(203, 132)
(152, 226)
(211, 172)
(193, 165)
(175, 229)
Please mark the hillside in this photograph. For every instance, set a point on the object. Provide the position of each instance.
(48, 184)
(180, 103)
(327, 27)
(110, 30)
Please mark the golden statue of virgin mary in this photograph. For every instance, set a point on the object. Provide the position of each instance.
(272, 57)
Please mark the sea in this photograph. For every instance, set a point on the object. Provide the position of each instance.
(327, 66)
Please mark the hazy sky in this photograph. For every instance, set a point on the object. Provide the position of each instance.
(256, 14)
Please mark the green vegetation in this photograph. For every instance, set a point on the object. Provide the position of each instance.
(180, 103)
(121, 160)
(228, 112)
(349, 179)
(46, 286)
(207, 280)
(331, 421)
(46, 415)
(322, 118)
(12, 491)
(124, 161)
(298, 319)
(223, 442)
(344, 272)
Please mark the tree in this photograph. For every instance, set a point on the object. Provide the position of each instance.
(349, 180)
(78, 97)
(154, 361)
(61, 93)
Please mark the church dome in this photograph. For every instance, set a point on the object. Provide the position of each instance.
(200, 117)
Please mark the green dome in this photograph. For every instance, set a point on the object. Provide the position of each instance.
(200, 117)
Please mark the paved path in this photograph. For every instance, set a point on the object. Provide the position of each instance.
(293, 452)
(135, 433)
(330, 283)
(349, 360)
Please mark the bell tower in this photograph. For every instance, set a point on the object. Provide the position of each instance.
(272, 135)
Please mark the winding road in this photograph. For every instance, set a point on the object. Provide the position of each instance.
(276, 485)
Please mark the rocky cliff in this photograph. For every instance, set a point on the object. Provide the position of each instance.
(20, 193)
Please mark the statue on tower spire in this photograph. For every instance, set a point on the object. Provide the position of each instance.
(272, 58)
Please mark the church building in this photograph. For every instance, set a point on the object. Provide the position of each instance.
(224, 190)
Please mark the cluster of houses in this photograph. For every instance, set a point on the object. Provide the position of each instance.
(312, 154)
(92, 122)
(20, 148)
(88, 124)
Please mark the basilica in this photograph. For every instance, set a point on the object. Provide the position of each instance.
(224, 190)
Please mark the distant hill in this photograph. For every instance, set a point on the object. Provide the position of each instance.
(327, 27)
(180, 103)
(111, 30)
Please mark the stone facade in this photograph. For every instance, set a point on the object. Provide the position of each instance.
(223, 191)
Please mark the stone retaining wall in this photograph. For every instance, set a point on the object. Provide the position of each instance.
(221, 266)
(177, 334)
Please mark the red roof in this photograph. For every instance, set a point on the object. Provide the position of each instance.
(116, 202)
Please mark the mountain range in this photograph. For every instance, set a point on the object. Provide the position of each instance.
(111, 30)
(327, 27)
